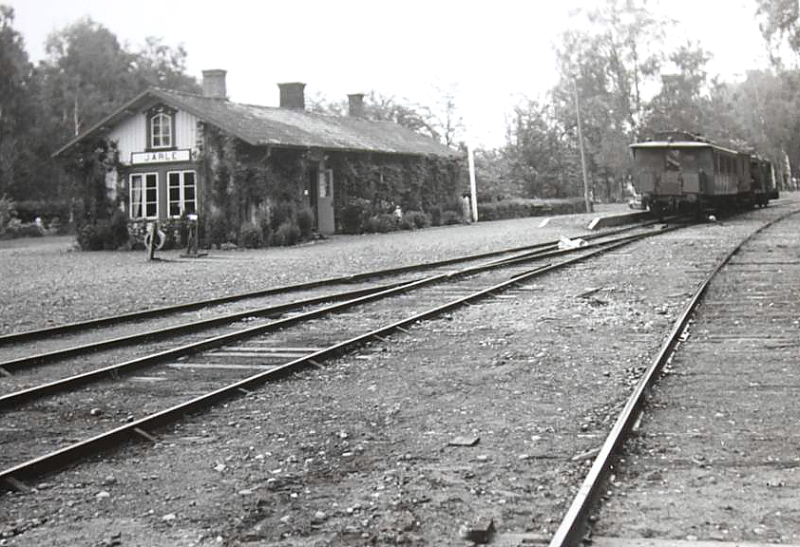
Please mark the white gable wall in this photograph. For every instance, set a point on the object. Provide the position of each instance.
(131, 134)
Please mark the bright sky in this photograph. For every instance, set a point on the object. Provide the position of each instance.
(492, 54)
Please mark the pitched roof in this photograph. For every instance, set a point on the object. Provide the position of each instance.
(281, 127)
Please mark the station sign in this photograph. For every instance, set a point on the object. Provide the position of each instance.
(160, 156)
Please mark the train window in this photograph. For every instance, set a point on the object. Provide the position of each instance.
(673, 160)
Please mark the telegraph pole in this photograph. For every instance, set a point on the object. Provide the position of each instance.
(589, 207)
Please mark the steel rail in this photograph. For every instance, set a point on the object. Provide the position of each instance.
(573, 526)
(42, 358)
(47, 357)
(15, 398)
(11, 478)
(16, 337)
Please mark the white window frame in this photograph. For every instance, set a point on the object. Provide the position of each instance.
(165, 126)
(182, 192)
(142, 199)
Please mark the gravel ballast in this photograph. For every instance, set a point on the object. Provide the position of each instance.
(361, 451)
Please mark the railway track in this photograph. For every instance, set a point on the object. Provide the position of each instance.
(38, 335)
(33, 348)
(187, 379)
(705, 458)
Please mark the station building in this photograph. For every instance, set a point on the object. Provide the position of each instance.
(182, 153)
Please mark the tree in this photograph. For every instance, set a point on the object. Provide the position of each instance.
(445, 117)
(681, 103)
(607, 65)
(540, 157)
(160, 65)
(17, 110)
(443, 123)
(86, 75)
(780, 26)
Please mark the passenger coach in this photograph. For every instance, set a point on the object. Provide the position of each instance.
(678, 171)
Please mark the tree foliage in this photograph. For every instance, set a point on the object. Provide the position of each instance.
(780, 26)
(17, 109)
(86, 74)
(608, 64)
(442, 122)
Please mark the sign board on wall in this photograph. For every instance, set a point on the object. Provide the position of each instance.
(160, 156)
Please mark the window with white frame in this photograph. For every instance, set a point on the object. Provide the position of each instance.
(161, 131)
(182, 193)
(144, 195)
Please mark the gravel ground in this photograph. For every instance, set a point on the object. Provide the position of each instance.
(716, 455)
(48, 282)
(359, 452)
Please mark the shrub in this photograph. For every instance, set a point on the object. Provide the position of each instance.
(28, 210)
(16, 228)
(263, 222)
(435, 213)
(451, 217)
(382, 223)
(287, 234)
(118, 230)
(305, 222)
(405, 223)
(418, 219)
(217, 227)
(354, 215)
(280, 213)
(106, 234)
(487, 211)
(250, 236)
(96, 237)
(7, 212)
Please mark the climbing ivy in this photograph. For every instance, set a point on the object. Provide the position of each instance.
(412, 182)
(88, 163)
(241, 176)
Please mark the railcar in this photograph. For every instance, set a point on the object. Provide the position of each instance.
(679, 171)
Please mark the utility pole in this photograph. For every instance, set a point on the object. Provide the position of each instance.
(589, 207)
(473, 191)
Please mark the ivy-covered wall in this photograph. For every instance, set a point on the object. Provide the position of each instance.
(240, 177)
(417, 183)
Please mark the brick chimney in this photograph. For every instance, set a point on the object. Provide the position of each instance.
(214, 84)
(292, 95)
(356, 105)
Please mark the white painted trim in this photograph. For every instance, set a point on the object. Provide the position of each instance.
(181, 192)
(168, 118)
(143, 196)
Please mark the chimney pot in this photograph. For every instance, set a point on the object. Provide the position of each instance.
(292, 95)
(356, 105)
(214, 84)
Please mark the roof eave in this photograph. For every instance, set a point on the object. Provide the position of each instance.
(122, 111)
(104, 122)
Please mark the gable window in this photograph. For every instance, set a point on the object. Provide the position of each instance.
(182, 193)
(144, 195)
(161, 131)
